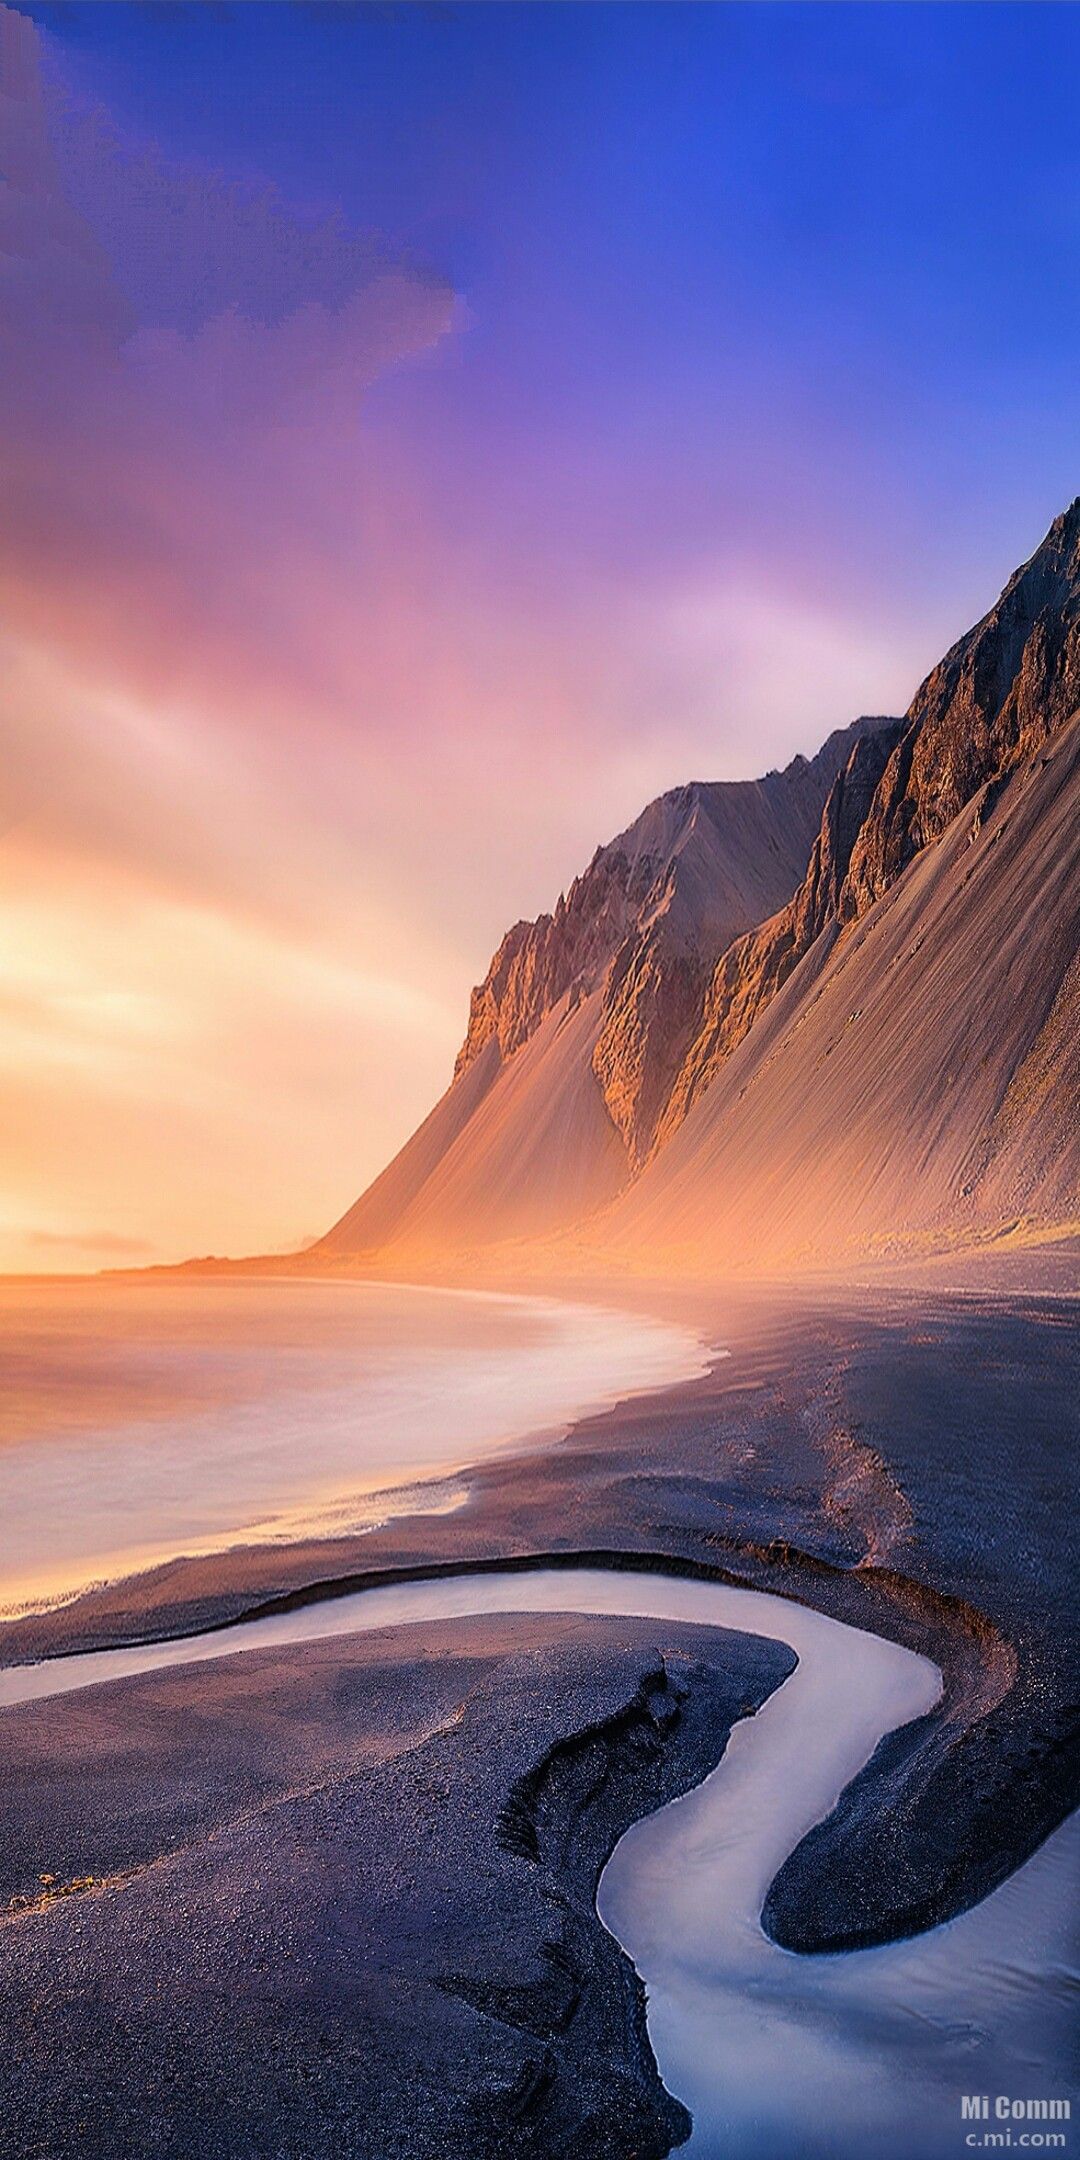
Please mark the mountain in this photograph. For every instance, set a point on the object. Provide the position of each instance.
(894, 1059)
(917, 1078)
(828, 1012)
(754, 968)
(579, 1028)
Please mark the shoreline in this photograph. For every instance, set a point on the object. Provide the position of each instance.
(384, 1871)
(902, 1464)
(379, 1401)
(540, 1810)
(855, 1455)
(825, 1717)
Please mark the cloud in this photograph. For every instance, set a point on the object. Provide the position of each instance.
(102, 1242)
(182, 369)
(729, 643)
(187, 243)
(191, 1074)
(208, 568)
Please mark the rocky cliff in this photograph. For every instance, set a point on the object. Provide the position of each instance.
(581, 1024)
(755, 967)
(893, 1058)
(993, 701)
(646, 921)
(915, 1082)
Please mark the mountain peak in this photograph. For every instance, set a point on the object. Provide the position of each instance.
(997, 695)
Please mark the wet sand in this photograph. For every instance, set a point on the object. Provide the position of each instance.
(348, 1894)
(789, 2057)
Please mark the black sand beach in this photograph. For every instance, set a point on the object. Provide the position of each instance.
(344, 1895)
(903, 1461)
(900, 1460)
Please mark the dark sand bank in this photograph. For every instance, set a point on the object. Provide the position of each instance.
(905, 1461)
(348, 1895)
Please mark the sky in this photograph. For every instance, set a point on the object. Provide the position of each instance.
(426, 433)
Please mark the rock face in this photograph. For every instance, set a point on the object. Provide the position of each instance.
(579, 1028)
(993, 701)
(780, 1016)
(750, 972)
(912, 1070)
(646, 922)
(915, 1081)
(539, 962)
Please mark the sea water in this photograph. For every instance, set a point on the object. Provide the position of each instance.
(147, 1418)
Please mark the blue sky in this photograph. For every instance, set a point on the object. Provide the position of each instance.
(843, 239)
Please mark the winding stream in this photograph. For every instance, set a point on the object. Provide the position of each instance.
(778, 2057)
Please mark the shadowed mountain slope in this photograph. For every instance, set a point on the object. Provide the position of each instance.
(917, 1078)
(990, 704)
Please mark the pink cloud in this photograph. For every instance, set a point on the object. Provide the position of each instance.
(156, 473)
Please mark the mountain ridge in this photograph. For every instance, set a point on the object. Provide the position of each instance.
(893, 1097)
(995, 698)
(617, 1042)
